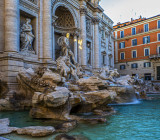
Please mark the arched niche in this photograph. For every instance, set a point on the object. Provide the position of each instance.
(66, 22)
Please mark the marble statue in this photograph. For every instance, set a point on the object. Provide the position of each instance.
(66, 50)
(27, 36)
(104, 72)
(113, 74)
(64, 62)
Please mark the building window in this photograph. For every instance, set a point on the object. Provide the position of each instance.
(134, 65)
(122, 34)
(122, 45)
(158, 37)
(146, 28)
(122, 55)
(134, 54)
(147, 64)
(134, 42)
(158, 24)
(147, 76)
(122, 67)
(146, 39)
(146, 52)
(158, 50)
(133, 31)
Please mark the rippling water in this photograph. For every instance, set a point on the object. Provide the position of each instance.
(132, 122)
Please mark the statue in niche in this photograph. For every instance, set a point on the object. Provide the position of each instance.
(66, 63)
(66, 50)
(27, 37)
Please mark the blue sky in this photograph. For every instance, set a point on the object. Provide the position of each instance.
(124, 10)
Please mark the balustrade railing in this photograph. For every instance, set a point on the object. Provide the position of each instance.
(138, 32)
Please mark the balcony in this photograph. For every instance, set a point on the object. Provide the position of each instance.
(154, 56)
(140, 31)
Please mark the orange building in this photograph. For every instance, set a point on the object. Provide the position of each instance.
(137, 47)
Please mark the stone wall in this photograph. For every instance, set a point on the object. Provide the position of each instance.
(1, 25)
(141, 70)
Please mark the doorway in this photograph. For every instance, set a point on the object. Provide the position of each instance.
(158, 73)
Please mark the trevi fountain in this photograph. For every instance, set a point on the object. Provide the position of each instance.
(66, 101)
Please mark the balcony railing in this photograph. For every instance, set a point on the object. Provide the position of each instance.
(155, 56)
(138, 32)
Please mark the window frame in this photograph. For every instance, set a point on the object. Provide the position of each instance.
(148, 39)
(122, 68)
(158, 49)
(136, 42)
(123, 34)
(123, 42)
(132, 53)
(145, 51)
(148, 27)
(158, 36)
(147, 74)
(120, 55)
(133, 65)
(132, 30)
(147, 66)
(158, 23)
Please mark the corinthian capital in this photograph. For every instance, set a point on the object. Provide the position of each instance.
(96, 20)
(83, 10)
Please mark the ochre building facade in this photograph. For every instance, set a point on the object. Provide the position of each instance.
(137, 47)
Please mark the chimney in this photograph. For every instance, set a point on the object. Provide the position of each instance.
(140, 17)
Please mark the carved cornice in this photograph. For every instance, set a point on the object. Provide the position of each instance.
(29, 5)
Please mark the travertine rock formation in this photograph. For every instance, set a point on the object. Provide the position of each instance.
(67, 90)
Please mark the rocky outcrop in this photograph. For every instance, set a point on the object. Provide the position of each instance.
(66, 126)
(4, 127)
(36, 131)
(68, 137)
(5, 104)
(90, 83)
(125, 94)
(53, 105)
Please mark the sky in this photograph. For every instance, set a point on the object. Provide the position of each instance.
(124, 10)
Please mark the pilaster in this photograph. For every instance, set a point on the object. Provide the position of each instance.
(47, 30)
(11, 26)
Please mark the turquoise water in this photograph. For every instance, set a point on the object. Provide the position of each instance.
(132, 122)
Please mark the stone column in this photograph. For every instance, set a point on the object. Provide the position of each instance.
(83, 36)
(53, 37)
(75, 46)
(11, 26)
(96, 44)
(40, 33)
(47, 30)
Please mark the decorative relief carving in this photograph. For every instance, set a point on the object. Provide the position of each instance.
(65, 18)
(83, 11)
(34, 1)
(30, 6)
(88, 26)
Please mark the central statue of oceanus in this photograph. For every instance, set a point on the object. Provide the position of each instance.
(66, 63)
